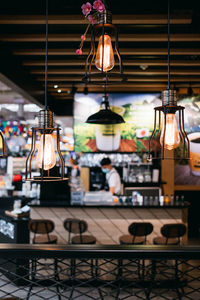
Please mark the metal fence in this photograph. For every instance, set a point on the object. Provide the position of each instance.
(99, 272)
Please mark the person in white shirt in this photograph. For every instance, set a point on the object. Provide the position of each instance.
(112, 176)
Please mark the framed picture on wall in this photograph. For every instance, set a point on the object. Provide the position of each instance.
(132, 136)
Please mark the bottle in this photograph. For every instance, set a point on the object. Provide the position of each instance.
(156, 202)
(172, 199)
(177, 200)
(182, 200)
(166, 200)
(161, 200)
(145, 202)
(151, 200)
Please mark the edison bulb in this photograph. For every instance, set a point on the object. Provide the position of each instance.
(106, 52)
(49, 152)
(172, 138)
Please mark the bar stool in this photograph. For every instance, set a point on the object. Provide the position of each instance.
(138, 232)
(78, 227)
(171, 234)
(42, 229)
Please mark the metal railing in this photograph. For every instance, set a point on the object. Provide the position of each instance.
(99, 272)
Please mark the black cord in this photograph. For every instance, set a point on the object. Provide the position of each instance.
(168, 57)
(46, 56)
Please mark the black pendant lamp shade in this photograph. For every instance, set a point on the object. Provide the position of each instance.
(105, 115)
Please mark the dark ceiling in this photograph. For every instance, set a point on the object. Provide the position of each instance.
(142, 27)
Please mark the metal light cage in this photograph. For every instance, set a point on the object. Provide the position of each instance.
(45, 126)
(104, 26)
(169, 106)
(2, 150)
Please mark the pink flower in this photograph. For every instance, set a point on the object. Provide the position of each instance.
(79, 52)
(86, 8)
(91, 19)
(83, 37)
(99, 6)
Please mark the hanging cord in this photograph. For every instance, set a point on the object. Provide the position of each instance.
(168, 57)
(46, 56)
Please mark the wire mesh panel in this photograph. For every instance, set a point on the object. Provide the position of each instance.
(99, 272)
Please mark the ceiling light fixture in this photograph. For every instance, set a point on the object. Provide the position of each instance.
(105, 115)
(55, 86)
(45, 151)
(59, 91)
(103, 58)
(170, 134)
(144, 67)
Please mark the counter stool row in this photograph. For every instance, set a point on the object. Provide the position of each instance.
(42, 235)
(42, 231)
(138, 232)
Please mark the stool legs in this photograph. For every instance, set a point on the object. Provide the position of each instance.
(33, 277)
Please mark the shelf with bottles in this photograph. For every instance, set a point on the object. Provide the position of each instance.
(142, 173)
(136, 199)
(117, 159)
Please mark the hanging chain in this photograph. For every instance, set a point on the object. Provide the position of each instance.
(168, 57)
(46, 56)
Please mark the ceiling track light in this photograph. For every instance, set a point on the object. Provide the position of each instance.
(103, 58)
(167, 132)
(45, 153)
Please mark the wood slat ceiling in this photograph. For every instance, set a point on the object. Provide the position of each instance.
(142, 40)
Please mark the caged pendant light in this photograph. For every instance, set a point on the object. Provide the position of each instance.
(103, 57)
(169, 133)
(46, 156)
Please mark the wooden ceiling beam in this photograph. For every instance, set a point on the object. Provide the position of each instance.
(153, 37)
(58, 80)
(66, 92)
(79, 19)
(187, 82)
(128, 51)
(126, 72)
(133, 89)
(182, 90)
(147, 63)
(141, 85)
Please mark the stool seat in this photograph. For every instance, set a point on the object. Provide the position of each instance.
(84, 239)
(164, 241)
(171, 234)
(44, 239)
(128, 239)
(78, 227)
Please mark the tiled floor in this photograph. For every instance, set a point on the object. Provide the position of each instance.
(107, 224)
